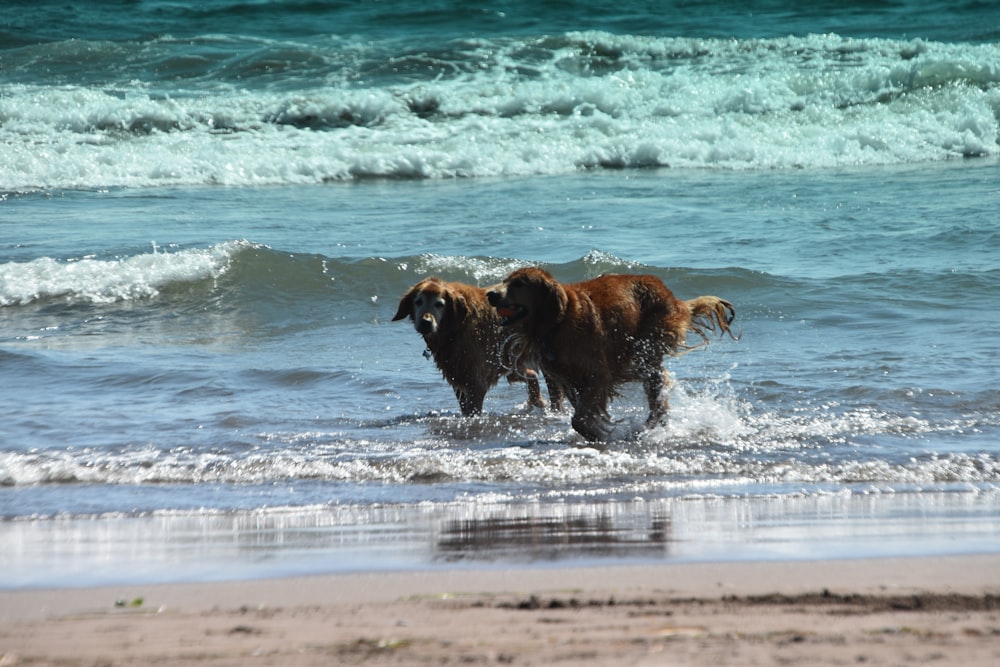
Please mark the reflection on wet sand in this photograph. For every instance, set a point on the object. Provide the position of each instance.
(542, 538)
(283, 541)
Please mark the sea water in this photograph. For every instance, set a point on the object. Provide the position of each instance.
(209, 211)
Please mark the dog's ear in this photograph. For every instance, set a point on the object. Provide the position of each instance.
(405, 305)
(458, 306)
(556, 300)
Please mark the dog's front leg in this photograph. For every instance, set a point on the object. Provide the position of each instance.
(470, 400)
(556, 394)
(590, 418)
(535, 399)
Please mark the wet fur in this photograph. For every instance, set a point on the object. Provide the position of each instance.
(466, 340)
(591, 337)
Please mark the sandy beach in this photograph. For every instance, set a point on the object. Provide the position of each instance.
(935, 610)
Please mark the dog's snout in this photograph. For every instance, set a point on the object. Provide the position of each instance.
(494, 297)
(426, 324)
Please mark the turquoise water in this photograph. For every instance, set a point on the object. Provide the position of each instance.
(209, 212)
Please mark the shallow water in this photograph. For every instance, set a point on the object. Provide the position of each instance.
(206, 383)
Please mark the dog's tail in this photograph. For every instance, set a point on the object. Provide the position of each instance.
(711, 314)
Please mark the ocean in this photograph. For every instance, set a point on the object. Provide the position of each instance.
(209, 211)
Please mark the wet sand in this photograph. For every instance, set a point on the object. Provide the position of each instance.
(930, 610)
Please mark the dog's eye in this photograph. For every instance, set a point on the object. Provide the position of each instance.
(439, 303)
(516, 283)
(419, 301)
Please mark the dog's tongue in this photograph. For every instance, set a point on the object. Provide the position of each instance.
(505, 311)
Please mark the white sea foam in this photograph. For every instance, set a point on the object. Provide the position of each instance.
(92, 280)
(691, 456)
(482, 270)
(553, 105)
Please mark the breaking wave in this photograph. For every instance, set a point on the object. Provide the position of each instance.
(481, 107)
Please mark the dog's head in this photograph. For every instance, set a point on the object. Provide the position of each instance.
(428, 303)
(528, 299)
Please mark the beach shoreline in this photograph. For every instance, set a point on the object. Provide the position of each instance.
(898, 610)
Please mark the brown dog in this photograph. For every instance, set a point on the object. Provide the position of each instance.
(591, 337)
(463, 334)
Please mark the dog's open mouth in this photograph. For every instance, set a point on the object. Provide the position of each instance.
(509, 314)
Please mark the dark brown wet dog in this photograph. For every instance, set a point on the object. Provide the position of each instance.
(463, 333)
(591, 337)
